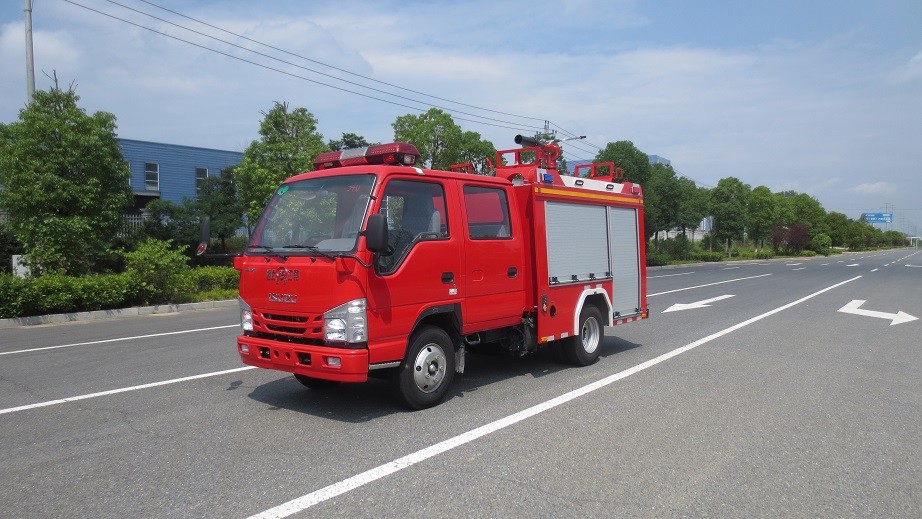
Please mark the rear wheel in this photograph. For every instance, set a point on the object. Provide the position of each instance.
(316, 384)
(427, 371)
(584, 348)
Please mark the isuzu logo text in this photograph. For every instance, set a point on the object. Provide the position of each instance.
(283, 298)
(282, 275)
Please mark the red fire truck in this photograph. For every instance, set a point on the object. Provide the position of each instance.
(371, 266)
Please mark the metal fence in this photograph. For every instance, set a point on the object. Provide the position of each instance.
(132, 222)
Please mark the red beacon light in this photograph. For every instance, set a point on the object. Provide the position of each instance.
(393, 154)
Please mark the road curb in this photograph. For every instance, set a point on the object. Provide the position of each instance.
(34, 320)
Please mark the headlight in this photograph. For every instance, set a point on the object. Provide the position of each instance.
(346, 323)
(246, 315)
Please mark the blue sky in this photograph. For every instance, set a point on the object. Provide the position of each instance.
(821, 97)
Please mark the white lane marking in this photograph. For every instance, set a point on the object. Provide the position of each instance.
(854, 307)
(730, 268)
(873, 270)
(117, 340)
(707, 285)
(801, 268)
(324, 494)
(670, 275)
(121, 390)
(698, 304)
(852, 265)
(794, 264)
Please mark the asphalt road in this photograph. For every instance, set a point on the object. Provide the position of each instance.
(768, 402)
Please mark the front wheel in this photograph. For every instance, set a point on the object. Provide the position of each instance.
(427, 371)
(584, 349)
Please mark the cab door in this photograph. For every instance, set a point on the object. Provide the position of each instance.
(494, 286)
(422, 269)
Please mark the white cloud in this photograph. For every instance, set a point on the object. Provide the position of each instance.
(876, 188)
(909, 71)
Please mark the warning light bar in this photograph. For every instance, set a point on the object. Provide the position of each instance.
(394, 154)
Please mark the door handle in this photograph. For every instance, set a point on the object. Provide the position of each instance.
(512, 272)
(448, 277)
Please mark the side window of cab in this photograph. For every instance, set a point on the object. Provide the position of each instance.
(415, 211)
(487, 210)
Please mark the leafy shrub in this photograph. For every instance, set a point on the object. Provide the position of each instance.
(822, 244)
(12, 290)
(8, 247)
(707, 256)
(807, 253)
(159, 269)
(677, 248)
(765, 254)
(657, 259)
(204, 279)
(104, 292)
(50, 294)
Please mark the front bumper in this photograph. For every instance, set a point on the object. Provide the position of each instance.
(312, 361)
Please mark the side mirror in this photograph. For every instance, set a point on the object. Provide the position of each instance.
(376, 233)
(205, 236)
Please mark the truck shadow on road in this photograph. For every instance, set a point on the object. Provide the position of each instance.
(361, 403)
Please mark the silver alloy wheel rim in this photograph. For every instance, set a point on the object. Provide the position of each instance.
(429, 368)
(590, 335)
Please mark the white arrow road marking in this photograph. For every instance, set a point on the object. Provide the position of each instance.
(854, 307)
(700, 304)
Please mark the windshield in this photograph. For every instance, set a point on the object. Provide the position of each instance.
(314, 216)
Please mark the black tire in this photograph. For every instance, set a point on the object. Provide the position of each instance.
(584, 348)
(317, 384)
(427, 371)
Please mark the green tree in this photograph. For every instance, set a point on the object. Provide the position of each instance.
(169, 221)
(349, 141)
(729, 203)
(762, 214)
(476, 150)
(288, 144)
(180, 223)
(662, 199)
(218, 200)
(625, 155)
(434, 134)
(837, 225)
(65, 182)
(810, 212)
(694, 205)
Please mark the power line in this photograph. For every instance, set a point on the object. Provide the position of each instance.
(283, 61)
(497, 123)
(328, 65)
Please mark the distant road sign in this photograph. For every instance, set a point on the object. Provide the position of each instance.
(878, 217)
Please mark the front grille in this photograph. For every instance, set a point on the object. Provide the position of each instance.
(298, 328)
(286, 329)
(287, 318)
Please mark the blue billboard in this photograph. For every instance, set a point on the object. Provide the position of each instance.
(877, 217)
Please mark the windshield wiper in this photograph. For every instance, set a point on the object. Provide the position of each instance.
(270, 250)
(326, 254)
(313, 249)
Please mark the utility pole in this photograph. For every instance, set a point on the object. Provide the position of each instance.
(30, 61)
